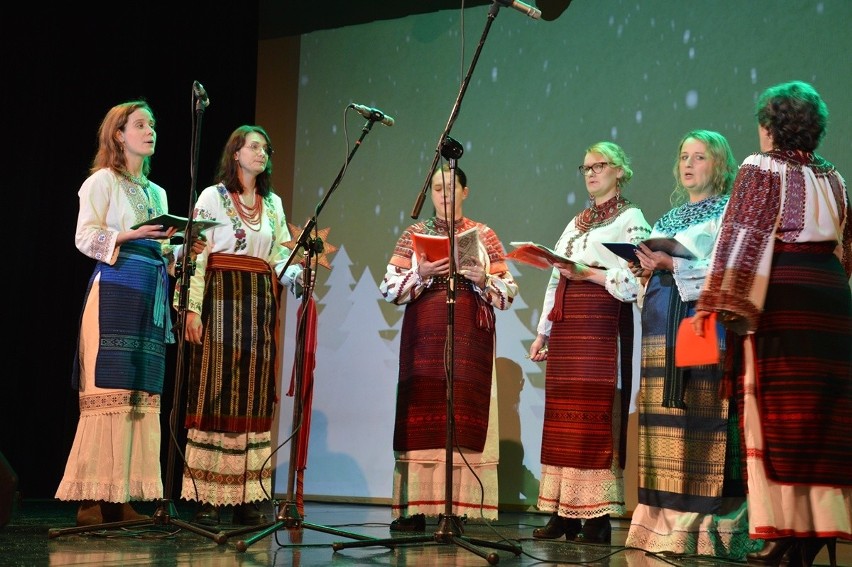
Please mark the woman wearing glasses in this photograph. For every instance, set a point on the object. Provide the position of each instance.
(231, 322)
(586, 336)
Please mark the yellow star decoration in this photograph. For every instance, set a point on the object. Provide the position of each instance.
(321, 258)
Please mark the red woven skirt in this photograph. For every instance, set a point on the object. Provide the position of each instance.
(421, 404)
(581, 378)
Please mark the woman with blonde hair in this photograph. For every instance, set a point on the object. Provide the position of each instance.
(691, 493)
(586, 336)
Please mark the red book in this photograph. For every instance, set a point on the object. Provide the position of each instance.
(437, 247)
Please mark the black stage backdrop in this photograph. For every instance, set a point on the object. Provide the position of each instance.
(63, 69)
(632, 72)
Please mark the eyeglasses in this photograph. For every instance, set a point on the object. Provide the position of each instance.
(596, 167)
(259, 148)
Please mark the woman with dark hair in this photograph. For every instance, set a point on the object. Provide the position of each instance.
(779, 278)
(483, 283)
(231, 324)
(691, 496)
(586, 335)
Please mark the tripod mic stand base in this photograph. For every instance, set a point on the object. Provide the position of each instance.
(288, 518)
(449, 532)
(449, 526)
(56, 532)
(164, 515)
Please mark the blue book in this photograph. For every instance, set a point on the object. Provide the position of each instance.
(670, 246)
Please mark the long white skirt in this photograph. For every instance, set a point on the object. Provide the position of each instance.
(115, 456)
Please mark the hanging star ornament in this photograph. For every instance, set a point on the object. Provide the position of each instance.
(323, 248)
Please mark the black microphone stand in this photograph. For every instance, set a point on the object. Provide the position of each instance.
(449, 525)
(288, 515)
(166, 514)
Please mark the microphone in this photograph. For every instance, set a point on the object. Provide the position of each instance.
(533, 13)
(373, 114)
(552, 9)
(200, 94)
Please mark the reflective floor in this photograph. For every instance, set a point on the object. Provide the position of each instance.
(42, 533)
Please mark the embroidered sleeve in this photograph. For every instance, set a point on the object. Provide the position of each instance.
(737, 281)
(94, 237)
(620, 281)
(402, 283)
(400, 286)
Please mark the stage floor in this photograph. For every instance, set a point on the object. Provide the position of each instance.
(38, 535)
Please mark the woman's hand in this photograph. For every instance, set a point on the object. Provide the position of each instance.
(650, 260)
(193, 328)
(428, 269)
(300, 278)
(639, 272)
(698, 322)
(149, 231)
(474, 271)
(198, 245)
(538, 349)
(154, 231)
(573, 271)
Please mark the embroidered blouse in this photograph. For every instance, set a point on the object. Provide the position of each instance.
(616, 220)
(778, 195)
(402, 283)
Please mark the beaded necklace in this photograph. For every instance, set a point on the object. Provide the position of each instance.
(143, 183)
(598, 214)
(251, 215)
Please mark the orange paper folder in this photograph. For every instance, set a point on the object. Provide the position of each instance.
(692, 350)
(536, 255)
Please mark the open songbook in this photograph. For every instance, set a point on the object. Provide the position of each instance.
(437, 246)
(537, 255)
(168, 221)
(670, 246)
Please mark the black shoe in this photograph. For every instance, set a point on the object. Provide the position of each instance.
(809, 548)
(557, 527)
(207, 515)
(248, 514)
(573, 527)
(415, 523)
(596, 530)
(774, 550)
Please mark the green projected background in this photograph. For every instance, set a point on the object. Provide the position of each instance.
(637, 73)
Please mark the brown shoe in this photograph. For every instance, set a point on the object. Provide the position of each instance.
(120, 512)
(89, 513)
